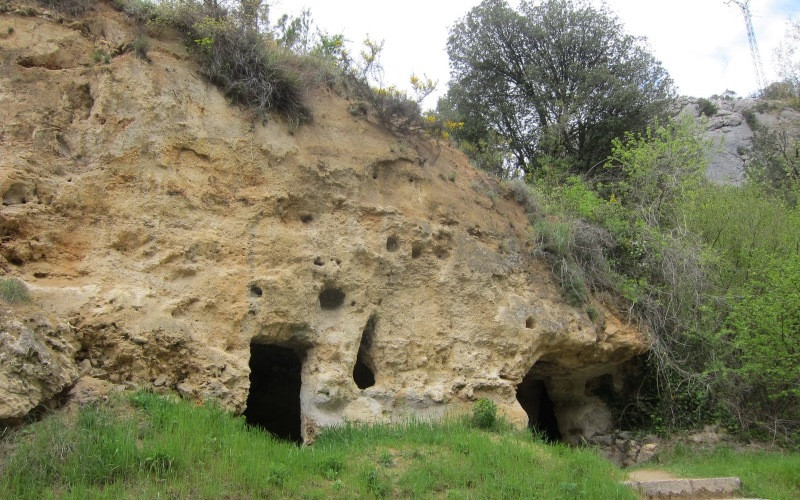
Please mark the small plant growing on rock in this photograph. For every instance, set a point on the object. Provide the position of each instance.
(484, 414)
(707, 107)
(13, 290)
(141, 46)
(101, 57)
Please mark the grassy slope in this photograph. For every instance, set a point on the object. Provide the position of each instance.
(766, 474)
(147, 446)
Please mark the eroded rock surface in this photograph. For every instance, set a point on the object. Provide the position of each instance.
(732, 137)
(174, 230)
(36, 361)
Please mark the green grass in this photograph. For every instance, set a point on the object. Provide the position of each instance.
(764, 474)
(147, 446)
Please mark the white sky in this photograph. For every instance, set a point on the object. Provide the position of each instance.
(702, 43)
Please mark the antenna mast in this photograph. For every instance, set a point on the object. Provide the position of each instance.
(744, 5)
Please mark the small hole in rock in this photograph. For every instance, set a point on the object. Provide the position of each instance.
(16, 261)
(331, 298)
(529, 322)
(255, 291)
(306, 218)
(319, 262)
(352, 303)
(391, 244)
(416, 250)
(364, 369)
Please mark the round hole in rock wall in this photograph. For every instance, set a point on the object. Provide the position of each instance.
(255, 291)
(319, 262)
(416, 250)
(391, 244)
(331, 298)
(306, 218)
(529, 322)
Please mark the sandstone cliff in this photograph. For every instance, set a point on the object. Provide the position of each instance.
(172, 237)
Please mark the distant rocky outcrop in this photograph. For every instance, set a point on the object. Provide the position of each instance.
(732, 136)
(306, 278)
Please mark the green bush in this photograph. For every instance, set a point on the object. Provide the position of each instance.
(484, 414)
(763, 368)
(750, 118)
(706, 107)
(13, 290)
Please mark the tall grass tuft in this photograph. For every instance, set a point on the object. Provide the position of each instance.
(13, 291)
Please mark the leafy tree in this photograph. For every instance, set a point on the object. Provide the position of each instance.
(787, 55)
(660, 170)
(556, 79)
(764, 334)
(775, 159)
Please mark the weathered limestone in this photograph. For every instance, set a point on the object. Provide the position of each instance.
(173, 230)
(36, 361)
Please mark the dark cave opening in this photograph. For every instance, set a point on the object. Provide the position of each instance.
(273, 403)
(363, 374)
(331, 298)
(532, 396)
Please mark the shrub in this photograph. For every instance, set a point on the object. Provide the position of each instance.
(764, 333)
(101, 57)
(13, 290)
(484, 414)
(234, 54)
(520, 192)
(141, 46)
(250, 72)
(784, 90)
(68, 7)
(750, 118)
(706, 107)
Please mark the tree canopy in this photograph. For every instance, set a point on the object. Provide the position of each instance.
(558, 79)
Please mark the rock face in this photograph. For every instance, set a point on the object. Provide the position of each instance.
(37, 360)
(732, 137)
(336, 273)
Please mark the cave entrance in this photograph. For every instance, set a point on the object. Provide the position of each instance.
(532, 396)
(273, 403)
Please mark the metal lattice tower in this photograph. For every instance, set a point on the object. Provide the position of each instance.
(744, 5)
